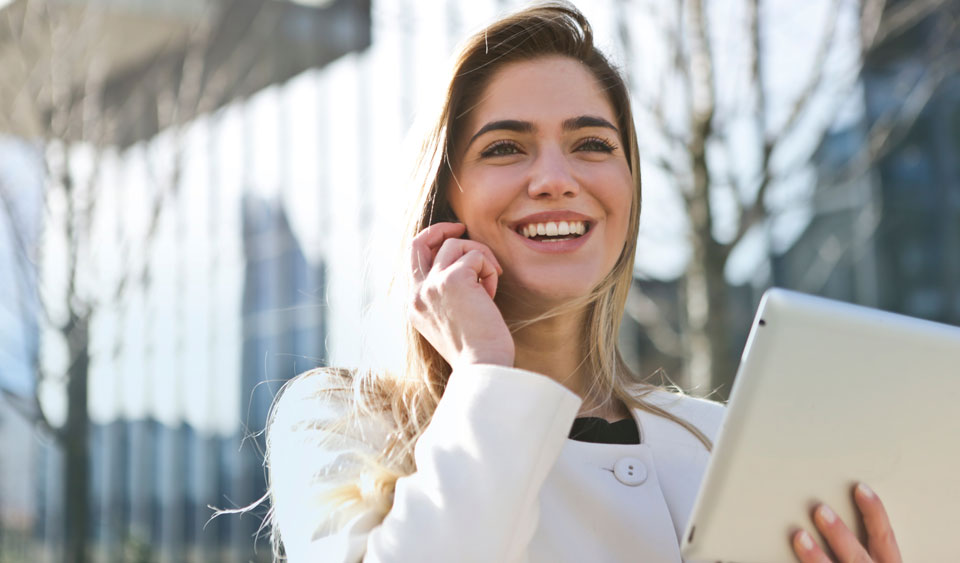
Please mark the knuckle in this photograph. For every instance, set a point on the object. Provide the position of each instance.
(884, 537)
(449, 279)
(433, 290)
(417, 303)
(464, 270)
(417, 267)
(425, 231)
(451, 243)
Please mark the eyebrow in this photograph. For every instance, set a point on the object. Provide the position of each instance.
(519, 126)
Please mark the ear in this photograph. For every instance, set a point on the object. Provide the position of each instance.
(444, 203)
(442, 212)
(450, 215)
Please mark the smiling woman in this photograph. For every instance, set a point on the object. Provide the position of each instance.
(545, 155)
(515, 432)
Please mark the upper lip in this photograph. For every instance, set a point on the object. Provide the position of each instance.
(550, 216)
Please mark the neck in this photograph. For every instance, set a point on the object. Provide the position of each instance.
(557, 348)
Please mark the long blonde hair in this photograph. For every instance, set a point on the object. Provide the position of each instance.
(407, 400)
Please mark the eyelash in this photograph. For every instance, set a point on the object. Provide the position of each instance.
(600, 145)
(493, 149)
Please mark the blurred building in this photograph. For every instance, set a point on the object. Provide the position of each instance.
(154, 482)
(185, 366)
(283, 335)
(887, 233)
(883, 233)
(288, 174)
(20, 184)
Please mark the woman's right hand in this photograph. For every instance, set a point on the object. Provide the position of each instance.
(451, 302)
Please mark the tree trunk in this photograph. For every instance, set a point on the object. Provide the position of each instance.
(705, 292)
(709, 365)
(76, 444)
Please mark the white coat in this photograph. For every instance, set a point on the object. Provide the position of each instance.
(498, 480)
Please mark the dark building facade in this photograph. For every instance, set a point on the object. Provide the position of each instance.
(885, 231)
(283, 335)
(153, 484)
(891, 235)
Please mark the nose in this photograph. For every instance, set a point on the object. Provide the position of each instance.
(551, 176)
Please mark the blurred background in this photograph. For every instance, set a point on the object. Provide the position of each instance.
(198, 200)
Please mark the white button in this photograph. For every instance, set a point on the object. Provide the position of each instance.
(630, 471)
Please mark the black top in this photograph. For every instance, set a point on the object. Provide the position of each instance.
(598, 430)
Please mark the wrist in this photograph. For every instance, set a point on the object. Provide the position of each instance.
(468, 357)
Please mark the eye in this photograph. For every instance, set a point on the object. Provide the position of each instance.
(501, 148)
(596, 144)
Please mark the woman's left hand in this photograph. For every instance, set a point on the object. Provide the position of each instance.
(881, 544)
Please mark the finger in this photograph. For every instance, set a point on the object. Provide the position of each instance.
(424, 247)
(452, 249)
(841, 540)
(482, 270)
(881, 542)
(807, 550)
(489, 278)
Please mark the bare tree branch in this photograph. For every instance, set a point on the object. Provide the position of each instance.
(756, 69)
(902, 16)
(703, 105)
(895, 122)
(26, 262)
(30, 410)
(814, 82)
(871, 16)
(702, 81)
(646, 313)
(755, 213)
(676, 53)
(715, 129)
(832, 251)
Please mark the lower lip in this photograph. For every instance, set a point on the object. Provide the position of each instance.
(558, 247)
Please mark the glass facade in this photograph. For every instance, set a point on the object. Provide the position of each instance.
(909, 254)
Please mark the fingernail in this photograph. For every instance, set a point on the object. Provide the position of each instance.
(828, 515)
(805, 540)
(866, 491)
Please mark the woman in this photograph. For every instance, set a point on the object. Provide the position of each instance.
(521, 255)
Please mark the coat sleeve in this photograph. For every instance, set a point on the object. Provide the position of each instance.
(481, 462)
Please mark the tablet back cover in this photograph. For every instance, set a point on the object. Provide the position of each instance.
(829, 394)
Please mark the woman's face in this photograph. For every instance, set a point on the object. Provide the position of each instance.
(541, 177)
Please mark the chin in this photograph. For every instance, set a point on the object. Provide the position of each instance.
(544, 293)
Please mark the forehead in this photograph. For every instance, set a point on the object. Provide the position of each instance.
(544, 91)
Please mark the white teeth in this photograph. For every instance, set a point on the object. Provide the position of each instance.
(553, 229)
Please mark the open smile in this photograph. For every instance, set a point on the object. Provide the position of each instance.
(554, 231)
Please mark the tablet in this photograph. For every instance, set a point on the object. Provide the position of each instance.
(829, 394)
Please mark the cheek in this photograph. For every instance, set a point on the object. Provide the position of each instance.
(618, 199)
(617, 195)
(481, 200)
